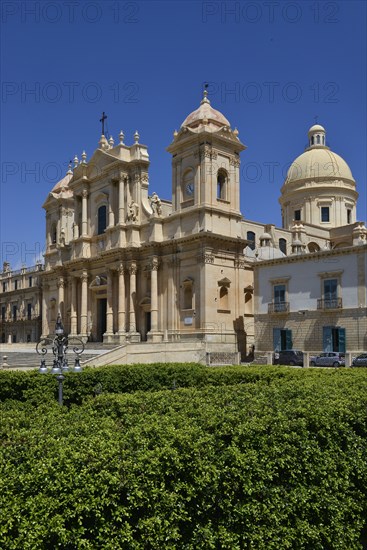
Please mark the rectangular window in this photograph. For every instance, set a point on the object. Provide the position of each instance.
(279, 294)
(29, 311)
(251, 237)
(334, 339)
(30, 281)
(349, 215)
(3, 310)
(325, 214)
(15, 285)
(282, 339)
(330, 289)
(4, 287)
(297, 215)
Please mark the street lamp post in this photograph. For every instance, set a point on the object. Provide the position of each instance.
(60, 345)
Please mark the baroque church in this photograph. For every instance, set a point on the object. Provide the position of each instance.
(127, 268)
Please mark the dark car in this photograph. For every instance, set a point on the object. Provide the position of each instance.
(288, 357)
(360, 360)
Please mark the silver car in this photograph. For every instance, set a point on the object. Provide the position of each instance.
(328, 359)
(360, 360)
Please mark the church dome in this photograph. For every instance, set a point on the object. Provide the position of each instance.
(63, 183)
(205, 114)
(318, 161)
(319, 188)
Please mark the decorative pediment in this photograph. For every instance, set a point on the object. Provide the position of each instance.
(98, 282)
(224, 282)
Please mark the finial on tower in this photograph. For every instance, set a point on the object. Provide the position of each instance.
(136, 137)
(69, 167)
(104, 117)
(76, 161)
(111, 142)
(84, 157)
(205, 94)
(121, 137)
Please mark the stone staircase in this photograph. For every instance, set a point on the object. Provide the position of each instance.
(24, 356)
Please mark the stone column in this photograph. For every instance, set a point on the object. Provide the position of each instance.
(109, 314)
(84, 213)
(73, 310)
(132, 318)
(154, 295)
(111, 215)
(84, 304)
(76, 218)
(121, 300)
(45, 328)
(61, 298)
(121, 199)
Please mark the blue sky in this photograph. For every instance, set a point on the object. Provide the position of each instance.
(272, 66)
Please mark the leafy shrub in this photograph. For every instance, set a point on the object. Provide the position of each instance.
(275, 463)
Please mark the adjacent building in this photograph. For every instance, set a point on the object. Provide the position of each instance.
(20, 304)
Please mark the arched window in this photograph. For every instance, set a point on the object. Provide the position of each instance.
(251, 237)
(54, 233)
(222, 178)
(283, 246)
(102, 219)
(312, 140)
(188, 293)
(323, 140)
(318, 138)
(188, 184)
(313, 247)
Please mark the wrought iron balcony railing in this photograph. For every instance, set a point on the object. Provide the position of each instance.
(278, 307)
(329, 303)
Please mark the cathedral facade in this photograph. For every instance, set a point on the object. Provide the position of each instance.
(125, 267)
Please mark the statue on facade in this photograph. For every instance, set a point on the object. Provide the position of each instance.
(133, 211)
(156, 204)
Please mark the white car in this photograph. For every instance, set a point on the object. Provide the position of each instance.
(328, 359)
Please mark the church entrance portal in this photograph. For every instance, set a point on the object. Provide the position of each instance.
(147, 325)
(101, 318)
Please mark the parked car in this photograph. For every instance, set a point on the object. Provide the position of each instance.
(288, 357)
(360, 360)
(328, 359)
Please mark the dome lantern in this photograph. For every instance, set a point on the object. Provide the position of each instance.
(317, 136)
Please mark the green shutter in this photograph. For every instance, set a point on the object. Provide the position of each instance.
(341, 340)
(276, 339)
(327, 339)
(288, 337)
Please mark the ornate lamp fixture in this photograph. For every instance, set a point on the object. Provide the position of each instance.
(59, 346)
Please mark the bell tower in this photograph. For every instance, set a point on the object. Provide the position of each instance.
(206, 163)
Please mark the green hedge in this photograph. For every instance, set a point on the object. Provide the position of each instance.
(23, 386)
(277, 464)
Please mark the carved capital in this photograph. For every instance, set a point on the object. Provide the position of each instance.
(85, 194)
(133, 268)
(240, 264)
(155, 264)
(121, 269)
(234, 161)
(84, 277)
(206, 257)
(61, 282)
